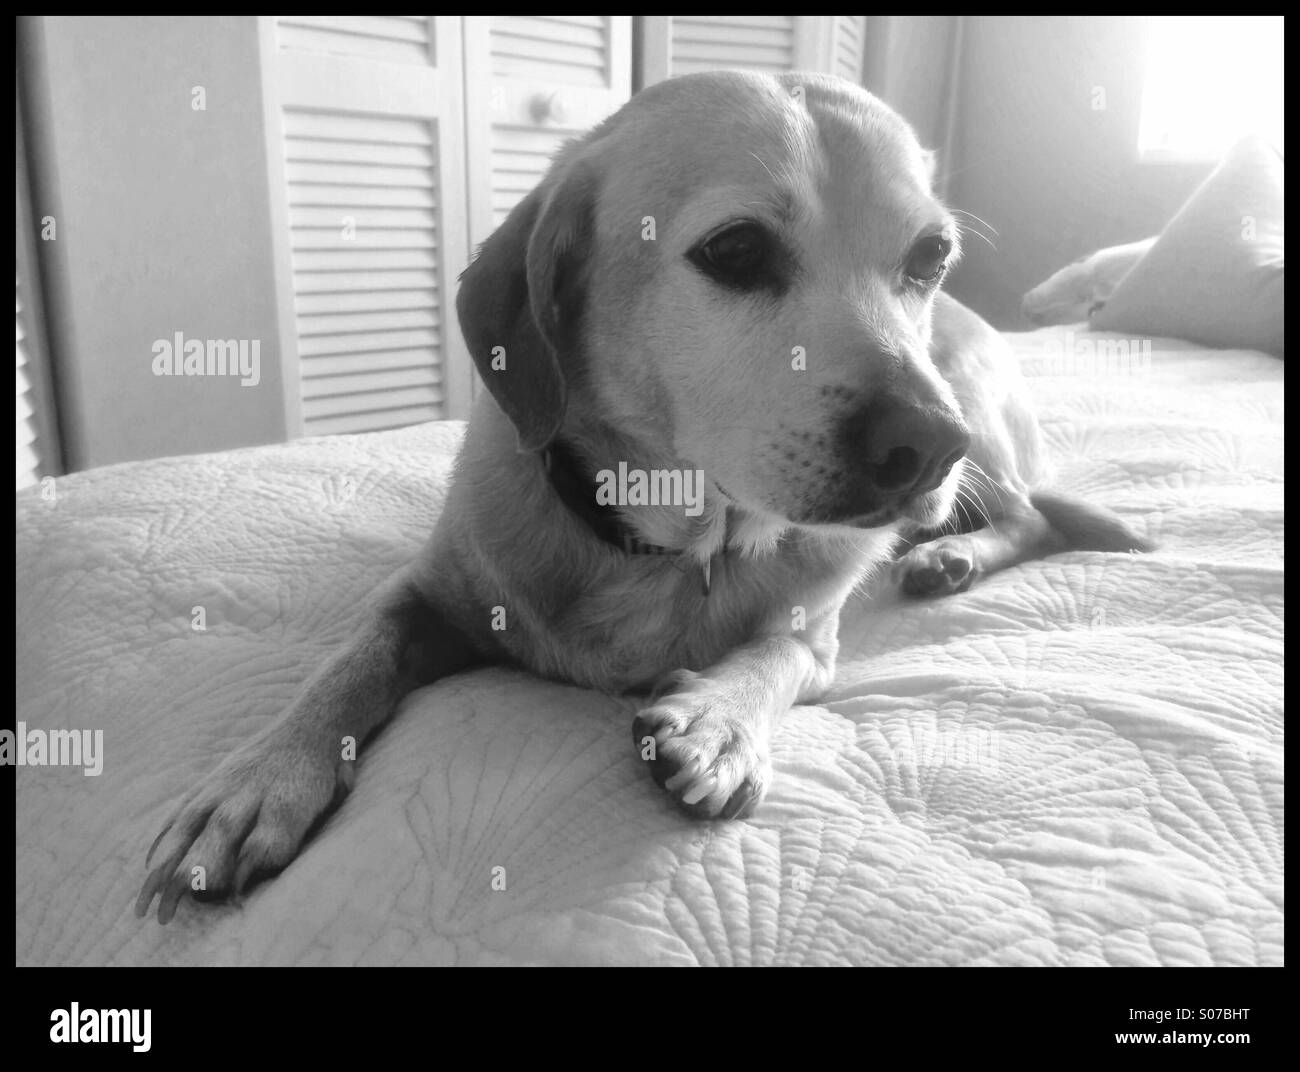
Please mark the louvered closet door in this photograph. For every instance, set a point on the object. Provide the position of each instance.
(849, 43)
(684, 44)
(749, 42)
(39, 453)
(535, 81)
(368, 136)
(29, 459)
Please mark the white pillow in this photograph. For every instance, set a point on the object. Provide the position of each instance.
(1215, 275)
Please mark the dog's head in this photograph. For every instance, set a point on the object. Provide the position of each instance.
(736, 271)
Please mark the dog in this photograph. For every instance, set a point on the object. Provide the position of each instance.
(734, 278)
(1079, 289)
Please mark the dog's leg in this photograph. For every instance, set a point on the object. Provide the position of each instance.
(250, 815)
(1028, 528)
(706, 735)
(951, 563)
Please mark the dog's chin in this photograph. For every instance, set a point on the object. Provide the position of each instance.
(932, 509)
(928, 510)
(870, 517)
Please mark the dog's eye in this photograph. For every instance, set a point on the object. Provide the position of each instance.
(738, 255)
(928, 259)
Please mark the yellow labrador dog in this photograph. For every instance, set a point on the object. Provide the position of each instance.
(723, 384)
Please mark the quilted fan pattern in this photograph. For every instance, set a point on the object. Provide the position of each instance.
(1077, 762)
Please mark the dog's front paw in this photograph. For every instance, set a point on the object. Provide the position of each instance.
(704, 748)
(245, 819)
(938, 568)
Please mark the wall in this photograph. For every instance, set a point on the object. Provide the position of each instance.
(911, 62)
(147, 191)
(1056, 177)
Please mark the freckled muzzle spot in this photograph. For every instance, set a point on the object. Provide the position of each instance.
(837, 392)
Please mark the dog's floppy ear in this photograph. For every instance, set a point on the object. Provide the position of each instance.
(520, 300)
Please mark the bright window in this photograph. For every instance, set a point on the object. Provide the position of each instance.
(1210, 79)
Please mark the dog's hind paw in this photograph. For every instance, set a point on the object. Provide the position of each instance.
(938, 568)
(709, 755)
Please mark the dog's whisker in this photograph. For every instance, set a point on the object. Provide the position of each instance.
(973, 490)
(994, 487)
(985, 521)
(978, 234)
(977, 219)
(966, 224)
(976, 503)
(970, 523)
(980, 480)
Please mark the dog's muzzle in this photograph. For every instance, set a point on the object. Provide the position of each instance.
(901, 451)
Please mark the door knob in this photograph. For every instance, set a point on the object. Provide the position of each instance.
(544, 107)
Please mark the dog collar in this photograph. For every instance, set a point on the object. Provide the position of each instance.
(576, 488)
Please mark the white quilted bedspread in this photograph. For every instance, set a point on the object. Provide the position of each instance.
(1077, 762)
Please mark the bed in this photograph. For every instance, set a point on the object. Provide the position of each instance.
(1077, 762)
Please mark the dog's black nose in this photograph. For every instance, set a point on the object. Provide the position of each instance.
(908, 449)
